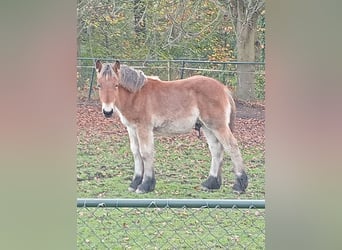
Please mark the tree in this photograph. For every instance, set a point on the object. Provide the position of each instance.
(244, 16)
(216, 30)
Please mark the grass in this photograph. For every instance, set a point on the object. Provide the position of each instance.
(105, 169)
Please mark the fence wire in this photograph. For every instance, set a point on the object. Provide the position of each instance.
(167, 227)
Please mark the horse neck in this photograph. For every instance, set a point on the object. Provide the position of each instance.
(124, 99)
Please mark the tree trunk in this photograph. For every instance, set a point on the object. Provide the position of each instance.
(244, 15)
(246, 72)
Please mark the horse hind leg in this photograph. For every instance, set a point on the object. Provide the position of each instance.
(226, 138)
(214, 180)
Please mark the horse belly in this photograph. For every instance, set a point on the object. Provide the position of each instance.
(178, 126)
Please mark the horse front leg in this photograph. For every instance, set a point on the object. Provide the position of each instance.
(146, 147)
(138, 162)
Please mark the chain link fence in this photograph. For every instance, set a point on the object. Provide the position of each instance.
(170, 224)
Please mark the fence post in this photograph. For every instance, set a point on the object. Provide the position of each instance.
(224, 66)
(182, 69)
(91, 83)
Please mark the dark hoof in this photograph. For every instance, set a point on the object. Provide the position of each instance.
(240, 184)
(146, 186)
(212, 183)
(135, 183)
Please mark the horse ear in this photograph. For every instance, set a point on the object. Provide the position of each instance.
(98, 65)
(116, 66)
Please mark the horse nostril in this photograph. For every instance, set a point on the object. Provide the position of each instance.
(108, 114)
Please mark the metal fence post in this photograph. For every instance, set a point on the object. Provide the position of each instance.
(91, 83)
(224, 66)
(182, 69)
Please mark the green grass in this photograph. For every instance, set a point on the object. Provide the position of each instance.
(105, 170)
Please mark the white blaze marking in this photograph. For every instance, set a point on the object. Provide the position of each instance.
(107, 107)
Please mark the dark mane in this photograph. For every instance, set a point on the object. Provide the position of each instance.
(131, 79)
(107, 71)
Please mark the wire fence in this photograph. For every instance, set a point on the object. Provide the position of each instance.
(170, 224)
(226, 72)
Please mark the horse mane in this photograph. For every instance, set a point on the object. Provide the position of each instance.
(131, 79)
(107, 71)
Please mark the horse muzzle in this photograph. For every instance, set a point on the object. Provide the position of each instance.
(108, 114)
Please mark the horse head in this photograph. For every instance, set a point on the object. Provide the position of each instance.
(108, 83)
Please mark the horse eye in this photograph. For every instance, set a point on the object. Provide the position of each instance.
(98, 86)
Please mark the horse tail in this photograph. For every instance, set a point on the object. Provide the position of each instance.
(232, 106)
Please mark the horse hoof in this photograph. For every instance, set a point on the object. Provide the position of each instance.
(240, 184)
(146, 186)
(211, 183)
(135, 183)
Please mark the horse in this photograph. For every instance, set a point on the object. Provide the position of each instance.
(148, 105)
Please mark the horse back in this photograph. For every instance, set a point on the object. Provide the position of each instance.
(210, 97)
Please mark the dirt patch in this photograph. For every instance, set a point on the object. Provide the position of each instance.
(247, 110)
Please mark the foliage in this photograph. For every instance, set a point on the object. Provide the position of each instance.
(172, 30)
(260, 86)
(261, 29)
